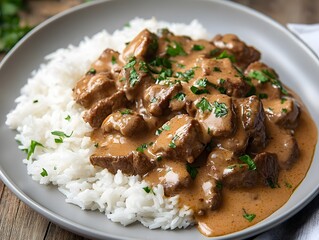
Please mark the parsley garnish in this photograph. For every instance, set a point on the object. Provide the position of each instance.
(213, 52)
(288, 185)
(185, 76)
(284, 110)
(247, 159)
(175, 50)
(147, 189)
(32, 147)
(142, 148)
(164, 127)
(216, 69)
(224, 54)
(92, 71)
(130, 63)
(263, 95)
(247, 216)
(126, 111)
(113, 60)
(179, 96)
(193, 171)
(283, 100)
(35, 101)
(44, 173)
(180, 65)
(159, 158)
(197, 47)
(61, 135)
(204, 105)
(172, 143)
(96, 145)
(219, 185)
(220, 109)
(198, 91)
(260, 76)
(68, 118)
(133, 77)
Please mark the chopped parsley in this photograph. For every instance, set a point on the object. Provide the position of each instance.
(247, 159)
(154, 100)
(203, 82)
(159, 158)
(193, 171)
(197, 47)
(284, 110)
(61, 135)
(198, 91)
(260, 76)
(92, 71)
(271, 183)
(35, 101)
(142, 147)
(164, 127)
(134, 78)
(216, 69)
(204, 105)
(208, 130)
(288, 185)
(161, 61)
(185, 76)
(214, 52)
(113, 60)
(127, 25)
(224, 54)
(147, 189)
(68, 118)
(172, 143)
(126, 111)
(96, 145)
(220, 109)
(32, 147)
(249, 217)
(180, 65)
(283, 100)
(44, 173)
(175, 50)
(263, 95)
(179, 96)
(130, 63)
(219, 185)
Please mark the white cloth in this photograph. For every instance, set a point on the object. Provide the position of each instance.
(309, 33)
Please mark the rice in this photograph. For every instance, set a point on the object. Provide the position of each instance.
(46, 105)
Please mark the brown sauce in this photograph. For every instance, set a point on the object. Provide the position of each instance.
(204, 118)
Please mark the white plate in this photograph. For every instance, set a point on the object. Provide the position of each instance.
(296, 64)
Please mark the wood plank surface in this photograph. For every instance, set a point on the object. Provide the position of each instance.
(17, 220)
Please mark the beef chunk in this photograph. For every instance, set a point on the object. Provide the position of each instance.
(241, 176)
(101, 109)
(218, 116)
(93, 87)
(109, 61)
(212, 194)
(224, 77)
(176, 177)
(134, 163)
(125, 121)
(177, 102)
(267, 168)
(265, 80)
(284, 111)
(244, 55)
(143, 46)
(157, 98)
(289, 153)
(253, 118)
(182, 138)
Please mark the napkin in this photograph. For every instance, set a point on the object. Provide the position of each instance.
(309, 33)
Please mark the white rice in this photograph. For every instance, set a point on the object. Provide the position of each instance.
(122, 198)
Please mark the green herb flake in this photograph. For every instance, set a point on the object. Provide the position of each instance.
(172, 143)
(203, 82)
(127, 25)
(61, 135)
(204, 105)
(180, 65)
(219, 185)
(208, 130)
(180, 96)
(154, 100)
(159, 158)
(250, 162)
(193, 171)
(175, 50)
(249, 217)
(263, 95)
(224, 54)
(197, 47)
(214, 52)
(96, 145)
(130, 63)
(260, 76)
(283, 100)
(32, 147)
(134, 78)
(288, 185)
(113, 60)
(185, 76)
(271, 183)
(142, 147)
(220, 109)
(284, 110)
(148, 189)
(35, 101)
(92, 71)
(68, 118)
(198, 91)
(44, 173)
(126, 111)
(216, 69)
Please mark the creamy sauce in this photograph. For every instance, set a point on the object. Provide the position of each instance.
(192, 146)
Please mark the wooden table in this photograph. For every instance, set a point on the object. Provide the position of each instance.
(18, 221)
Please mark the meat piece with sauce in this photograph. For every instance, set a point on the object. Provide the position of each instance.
(244, 55)
(124, 121)
(104, 107)
(134, 163)
(180, 138)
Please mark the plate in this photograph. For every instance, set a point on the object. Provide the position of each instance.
(297, 66)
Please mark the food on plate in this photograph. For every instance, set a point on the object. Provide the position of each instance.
(166, 129)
